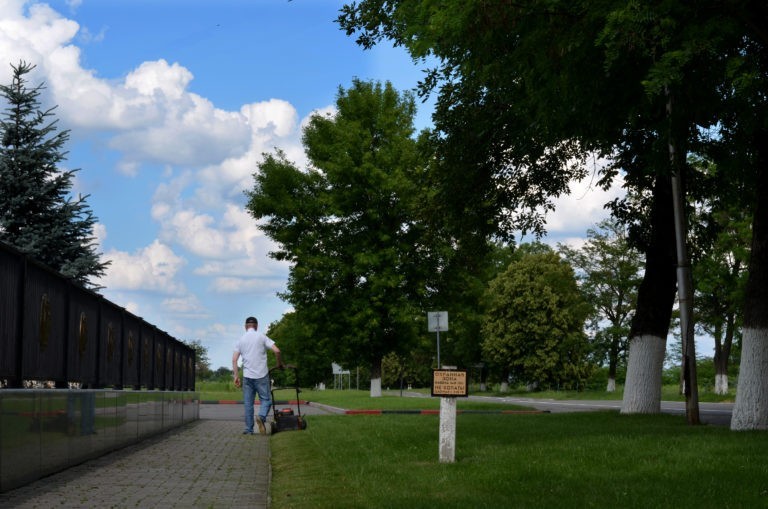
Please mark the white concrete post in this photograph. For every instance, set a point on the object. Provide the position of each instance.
(447, 443)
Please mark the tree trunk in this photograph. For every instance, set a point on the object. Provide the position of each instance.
(613, 360)
(642, 391)
(376, 378)
(650, 325)
(751, 408)
(721, 383)
(504, 381)
(722, 352)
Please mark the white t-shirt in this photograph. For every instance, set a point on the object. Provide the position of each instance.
(253, 346)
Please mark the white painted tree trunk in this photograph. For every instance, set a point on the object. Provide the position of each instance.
(751, 408)
(376, 387)
(721, 384)
(611, 385)
(504, 387)
(642, 390)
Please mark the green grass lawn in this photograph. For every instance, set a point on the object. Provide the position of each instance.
(601, 460)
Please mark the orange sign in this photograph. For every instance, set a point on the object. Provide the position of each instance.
(450, 383)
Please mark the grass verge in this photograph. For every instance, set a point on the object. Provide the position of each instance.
(227, 391)
(600, 459)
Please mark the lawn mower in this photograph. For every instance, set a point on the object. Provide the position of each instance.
(285, 418)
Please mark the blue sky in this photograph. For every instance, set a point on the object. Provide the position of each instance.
(170, 104)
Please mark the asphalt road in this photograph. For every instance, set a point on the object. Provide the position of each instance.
(709, 413)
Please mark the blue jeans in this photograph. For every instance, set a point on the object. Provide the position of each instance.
(252, 387)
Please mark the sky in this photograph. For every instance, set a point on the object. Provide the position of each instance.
(170, 106)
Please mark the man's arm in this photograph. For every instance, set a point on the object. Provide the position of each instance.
(235, 369)
(277, 356)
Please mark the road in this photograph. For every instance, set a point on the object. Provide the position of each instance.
(710, 413)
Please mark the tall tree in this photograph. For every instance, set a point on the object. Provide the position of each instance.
(202, 361)
(608, 270)
(37, 213)
(708, 61)
(721, 236)
(534, 321)
(349, 224)
(744, 140)
(299, 344)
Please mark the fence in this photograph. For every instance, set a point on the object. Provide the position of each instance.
(52, 329)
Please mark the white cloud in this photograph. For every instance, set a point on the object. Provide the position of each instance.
(572, 242)
(159, 78)
(86, 36)
(247, 286)
(133, 307)
(232, 284)
(128, 168)
(190, 131)
(154, 268)
(328, 111)
(245, 234)
(256, 266)
(100, 232)
(582, 208)
(194, 231)
(186, 306)
(272, 123)
(31, 38)
(276, 116)
(153, 115)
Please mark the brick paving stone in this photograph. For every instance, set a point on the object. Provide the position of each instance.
(207, 463)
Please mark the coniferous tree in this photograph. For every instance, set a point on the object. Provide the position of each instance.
(38, 215)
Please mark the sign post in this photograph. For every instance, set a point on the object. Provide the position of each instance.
(437, 321)
(448, 384)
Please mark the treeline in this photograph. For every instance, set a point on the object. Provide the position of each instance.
(384, 224)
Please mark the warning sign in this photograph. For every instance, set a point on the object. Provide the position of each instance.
(449, 383)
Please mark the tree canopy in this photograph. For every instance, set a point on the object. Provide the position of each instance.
(349, 225)
(534, 323)
(644, 84)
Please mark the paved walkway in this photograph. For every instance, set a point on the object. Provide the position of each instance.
(207, 463)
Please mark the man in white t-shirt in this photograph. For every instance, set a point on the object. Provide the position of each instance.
(252, 347)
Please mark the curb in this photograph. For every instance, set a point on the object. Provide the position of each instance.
(436, 412)
(240, 402)
(343, 411)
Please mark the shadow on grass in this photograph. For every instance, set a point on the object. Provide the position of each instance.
(600, 459)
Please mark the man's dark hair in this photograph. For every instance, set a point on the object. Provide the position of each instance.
(252, 320)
